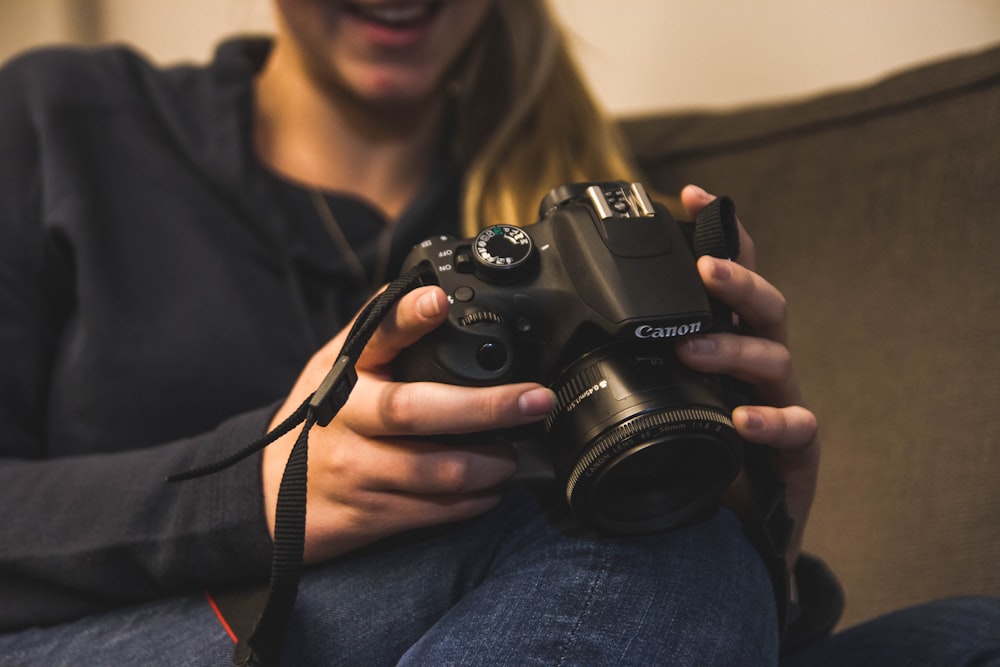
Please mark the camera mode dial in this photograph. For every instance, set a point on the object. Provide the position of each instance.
(503, 253)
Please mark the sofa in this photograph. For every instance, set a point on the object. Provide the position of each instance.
(876, 210)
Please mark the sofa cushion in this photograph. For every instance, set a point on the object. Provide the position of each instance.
(875, 211)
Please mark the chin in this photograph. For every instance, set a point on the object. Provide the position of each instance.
(394, 88)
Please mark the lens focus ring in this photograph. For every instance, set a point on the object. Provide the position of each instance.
(647, 426)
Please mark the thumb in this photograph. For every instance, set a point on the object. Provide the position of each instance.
(417, 314)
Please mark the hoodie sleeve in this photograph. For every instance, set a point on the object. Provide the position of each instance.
(88, 531)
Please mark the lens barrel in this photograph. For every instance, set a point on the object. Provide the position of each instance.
(640, 442)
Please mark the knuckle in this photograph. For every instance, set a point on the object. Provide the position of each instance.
(765, 360)
(397, 407)
(780, 423)
(782, 362)
(453, 474)
(495, 408)
(489, 409)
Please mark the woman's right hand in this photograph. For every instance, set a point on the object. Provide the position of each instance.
(371, 475)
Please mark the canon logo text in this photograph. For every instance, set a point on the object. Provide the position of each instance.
(646, 331)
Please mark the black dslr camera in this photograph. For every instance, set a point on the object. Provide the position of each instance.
(591, 300)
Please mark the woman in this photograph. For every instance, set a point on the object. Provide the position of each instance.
(178, 244)
(378, 74)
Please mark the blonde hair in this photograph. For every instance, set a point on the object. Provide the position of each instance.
(527, 121)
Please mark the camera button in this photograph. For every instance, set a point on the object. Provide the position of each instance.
(464, 293)
(492, 355)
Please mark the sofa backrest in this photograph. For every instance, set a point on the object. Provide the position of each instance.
(877, 212)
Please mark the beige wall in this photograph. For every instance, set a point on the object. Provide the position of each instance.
(639, 54)
(725, 52)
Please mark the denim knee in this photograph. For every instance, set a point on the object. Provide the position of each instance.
(695, 596)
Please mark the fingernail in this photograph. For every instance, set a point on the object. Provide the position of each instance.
(428, 305)
(752, 419)
(721, 269)
(536, 402)
(701, 345)
(698, 190)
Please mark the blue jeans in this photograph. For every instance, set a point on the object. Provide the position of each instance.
(511, 589)
(506, 589)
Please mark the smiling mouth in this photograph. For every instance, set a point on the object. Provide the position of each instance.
(396, 15)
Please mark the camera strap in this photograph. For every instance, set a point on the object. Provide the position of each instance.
(769, 528)
(768, 525)
(263, 645)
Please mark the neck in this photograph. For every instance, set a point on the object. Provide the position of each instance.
(323, 137)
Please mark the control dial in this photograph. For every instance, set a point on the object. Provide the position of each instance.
(502, 253)
(480, 316)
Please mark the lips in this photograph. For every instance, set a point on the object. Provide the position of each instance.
(395, 15)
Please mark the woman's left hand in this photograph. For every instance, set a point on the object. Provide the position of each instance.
(759, 356)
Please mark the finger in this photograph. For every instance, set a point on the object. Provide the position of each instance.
(411, 511)
(430, 408)
(760, 305)
(694, 198)
(420, 467)
(791, 428)
(417, 314)
(758, 361)
(343, 524)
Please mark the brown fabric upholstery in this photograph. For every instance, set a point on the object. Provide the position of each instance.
(876, 211)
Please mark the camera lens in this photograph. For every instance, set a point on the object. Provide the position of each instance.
(640, 442)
